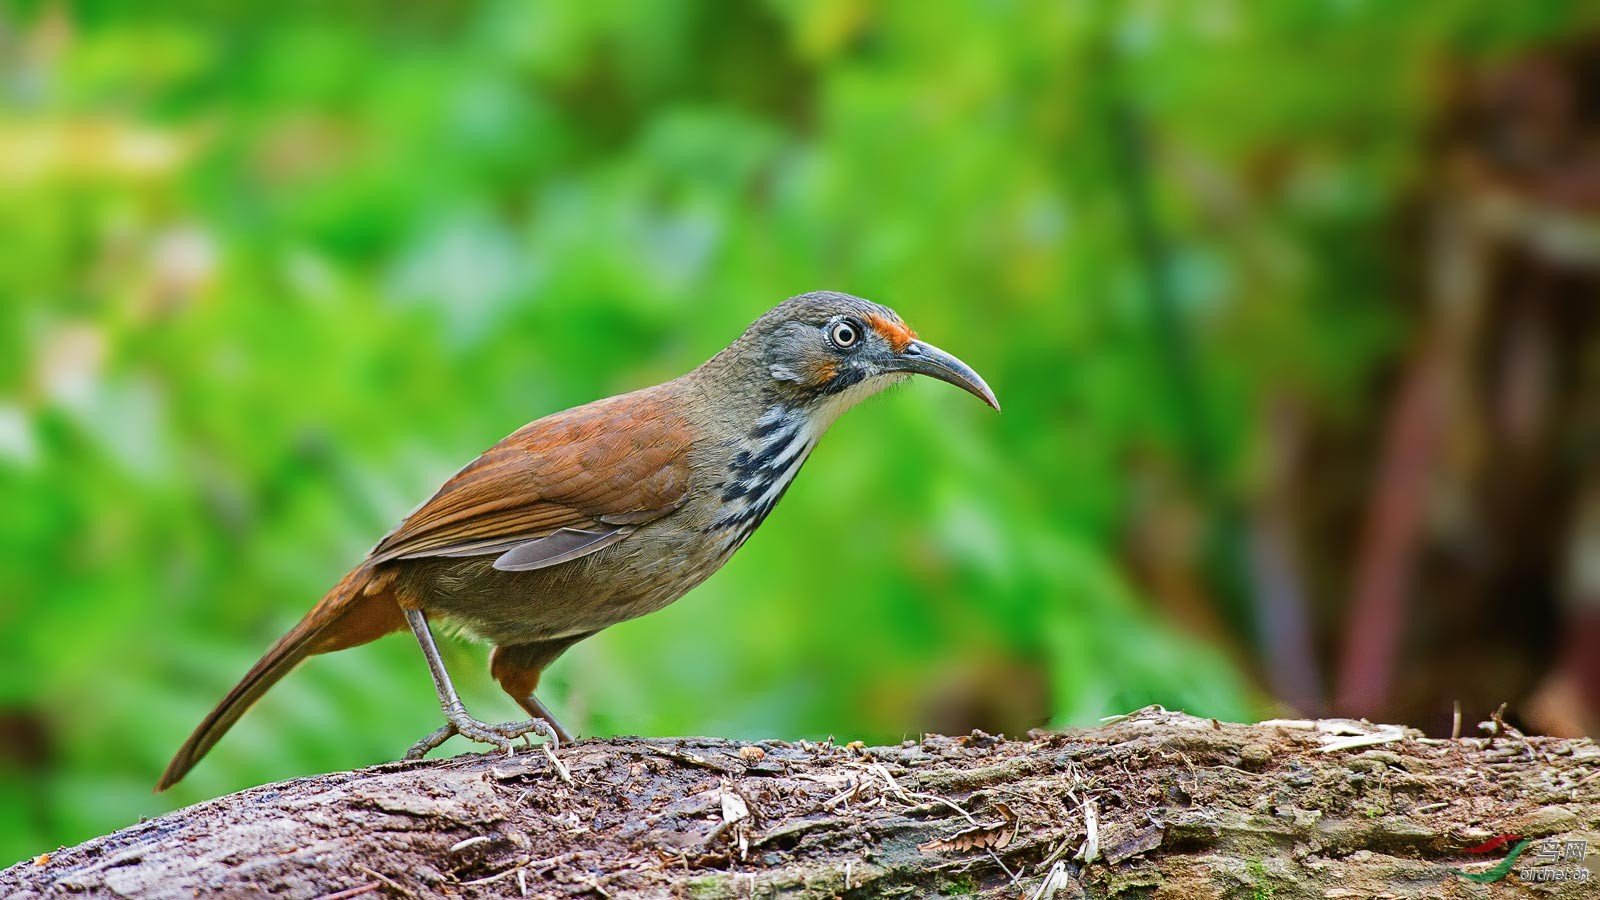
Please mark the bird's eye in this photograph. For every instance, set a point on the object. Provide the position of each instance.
(844, 334)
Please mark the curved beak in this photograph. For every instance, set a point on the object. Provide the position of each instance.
(923, 358)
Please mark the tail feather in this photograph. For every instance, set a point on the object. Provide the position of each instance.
(360, 608)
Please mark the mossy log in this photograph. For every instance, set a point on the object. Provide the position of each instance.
(1156, 804)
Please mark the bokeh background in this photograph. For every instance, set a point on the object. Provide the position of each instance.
(1292, 308)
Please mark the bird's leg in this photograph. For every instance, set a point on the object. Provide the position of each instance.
(457, 720)
(517, 667)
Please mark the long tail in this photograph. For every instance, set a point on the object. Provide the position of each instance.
(360, 608)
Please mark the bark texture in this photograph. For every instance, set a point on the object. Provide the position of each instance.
(1157, 804)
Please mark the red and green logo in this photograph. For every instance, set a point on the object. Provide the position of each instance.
(1548, 860)
(1504, 868)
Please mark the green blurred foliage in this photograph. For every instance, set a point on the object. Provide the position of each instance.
(272, 273)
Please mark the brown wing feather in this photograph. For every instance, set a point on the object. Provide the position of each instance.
(624, 460)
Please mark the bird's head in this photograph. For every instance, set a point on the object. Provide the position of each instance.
(827, 351)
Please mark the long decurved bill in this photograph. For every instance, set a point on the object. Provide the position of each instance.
(923, 358)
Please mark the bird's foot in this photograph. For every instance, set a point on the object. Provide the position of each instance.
(500, 735)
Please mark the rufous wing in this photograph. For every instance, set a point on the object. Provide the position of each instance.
(557, 489)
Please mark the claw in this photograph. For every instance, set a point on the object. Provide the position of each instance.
(498, 735)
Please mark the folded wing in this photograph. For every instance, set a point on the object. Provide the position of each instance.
(558, 489)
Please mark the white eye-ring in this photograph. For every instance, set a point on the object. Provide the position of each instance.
(844, 334)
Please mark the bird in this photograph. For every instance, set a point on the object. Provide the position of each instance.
(603, 512)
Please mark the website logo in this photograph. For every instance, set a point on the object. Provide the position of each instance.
(1552, 860)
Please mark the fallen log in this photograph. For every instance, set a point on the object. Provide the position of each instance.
(1156, 803)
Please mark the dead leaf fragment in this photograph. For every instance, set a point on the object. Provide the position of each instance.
(1140, 841)
(736, 815)
(734, 809)
(1090, 851)
(983, 836)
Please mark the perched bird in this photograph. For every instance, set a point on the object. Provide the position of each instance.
(604, 512)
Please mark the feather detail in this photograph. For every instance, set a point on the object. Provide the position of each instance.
(564, 545)
(606, 467)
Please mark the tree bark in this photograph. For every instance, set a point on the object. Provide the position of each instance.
(1155, 804)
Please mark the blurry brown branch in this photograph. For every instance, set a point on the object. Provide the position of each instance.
(1302, 808)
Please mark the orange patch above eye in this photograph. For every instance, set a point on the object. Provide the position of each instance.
(898, 336)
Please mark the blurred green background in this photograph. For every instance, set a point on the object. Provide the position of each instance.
(270, 274)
